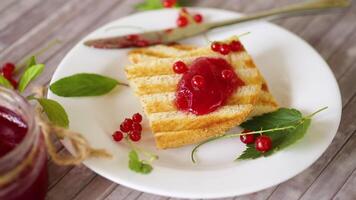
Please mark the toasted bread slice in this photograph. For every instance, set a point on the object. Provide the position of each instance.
(155, 83)
(265, 104)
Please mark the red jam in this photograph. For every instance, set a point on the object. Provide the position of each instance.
(12, 130)
(31, 184)
(206, 86)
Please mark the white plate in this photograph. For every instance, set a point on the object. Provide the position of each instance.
(297, 76)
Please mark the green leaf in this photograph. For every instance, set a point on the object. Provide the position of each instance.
(30, 74)
(31, 61)
(136, 165)
(280, 140)
(55, 112)
(4, 82)
(149, 5)
(279, 118)
(82, 85)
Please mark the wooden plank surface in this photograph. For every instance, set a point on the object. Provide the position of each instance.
(27, 25)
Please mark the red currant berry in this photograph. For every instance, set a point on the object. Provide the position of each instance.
(180, 67)
(13, 82)
(182, 21)
(224, 49)
(117, 136)
(198, 82)
(168, 3)
(263, 143)
(135, 136)
(8, 68)
(236, 46)
(126, 125)
(198, 18)
(227, 74)
(247, 139)
(137, 117)
(136, 127)
(215, 46)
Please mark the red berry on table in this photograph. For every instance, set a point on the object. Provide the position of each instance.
(135, 136)
(8, 68)
(198, 82)
(117, 136)
(136, 127)
(180, 67)
(137, 117)
(182, 21)
(215, 46)
(263, 143)
(248, 138)
(168, 3)
(224, 49)
(198, 18)
(128, 122)
(236, 46)
(227, 74)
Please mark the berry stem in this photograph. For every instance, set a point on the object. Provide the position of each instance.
(192, 155)
(316, 112)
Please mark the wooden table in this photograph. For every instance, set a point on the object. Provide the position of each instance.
(27, 25)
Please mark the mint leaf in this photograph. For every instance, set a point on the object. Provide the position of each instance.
(4, 82)
(149, 5)
(279, 118)
(83, 84)
(54, 111)
(29, 75)
(31, 61)
(136, 165)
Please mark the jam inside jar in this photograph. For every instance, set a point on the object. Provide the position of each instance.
(23, 158)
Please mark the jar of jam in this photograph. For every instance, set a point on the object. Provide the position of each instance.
(23, 158)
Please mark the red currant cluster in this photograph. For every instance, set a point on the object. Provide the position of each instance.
(7, 70)
(224, 48)
(185, 17)
(263, 143)
(131, 127)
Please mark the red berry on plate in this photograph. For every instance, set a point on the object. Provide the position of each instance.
(182, 21)
(180, 67)
(236, 46)
(135, 136)
(247, 139)
(227, 74)
(126, 125)
(198, 81)
(263, 143)
(168, 3)
(136, 127)
(117, 136)
(198, 18)
(215, 46)
(137, 117)
(224, 49)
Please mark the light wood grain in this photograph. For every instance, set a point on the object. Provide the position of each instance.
(27, 25)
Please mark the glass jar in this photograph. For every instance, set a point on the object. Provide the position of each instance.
(23, 158)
